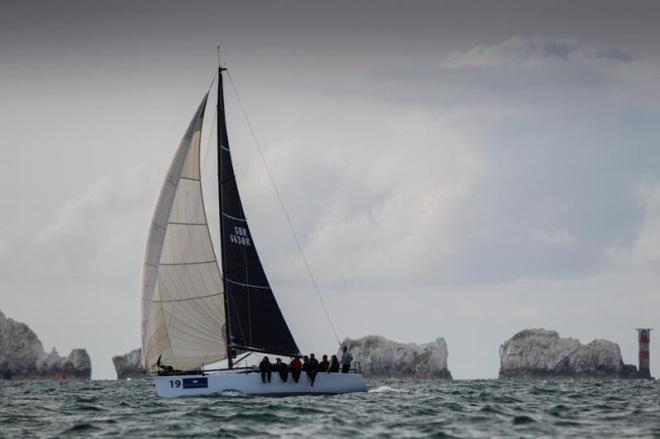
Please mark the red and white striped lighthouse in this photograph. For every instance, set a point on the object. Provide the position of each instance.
(644, 337)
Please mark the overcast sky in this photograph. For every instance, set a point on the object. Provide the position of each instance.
(454, 169)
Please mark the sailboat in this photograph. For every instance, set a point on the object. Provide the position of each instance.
(196, 310)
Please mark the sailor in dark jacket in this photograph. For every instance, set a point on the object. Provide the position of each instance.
(265, 369)
(334, 364)
(312, 369)
(282, 369)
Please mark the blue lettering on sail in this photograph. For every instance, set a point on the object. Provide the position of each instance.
(195, 383)
(240, 236)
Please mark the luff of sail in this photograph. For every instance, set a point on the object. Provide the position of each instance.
(183, 314)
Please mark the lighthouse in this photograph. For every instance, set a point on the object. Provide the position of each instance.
(644, 337)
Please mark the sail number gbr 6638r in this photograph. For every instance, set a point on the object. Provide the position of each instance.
(240, 236)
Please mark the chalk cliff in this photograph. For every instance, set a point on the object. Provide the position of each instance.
(129, 365)
(380, 357)
(22, 356)
(539, 353)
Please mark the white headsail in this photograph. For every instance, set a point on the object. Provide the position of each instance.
(183, 313)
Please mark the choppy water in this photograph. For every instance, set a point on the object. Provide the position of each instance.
(392, 408)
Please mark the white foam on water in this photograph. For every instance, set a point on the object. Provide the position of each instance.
(232, 393)
(382, 389)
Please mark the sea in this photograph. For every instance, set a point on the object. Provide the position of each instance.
(390, 409)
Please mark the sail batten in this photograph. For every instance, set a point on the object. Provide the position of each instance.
(265, 287)
(183, 300)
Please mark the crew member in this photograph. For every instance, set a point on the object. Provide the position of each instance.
(312, 369)
(324, 364)
(305, 363)
(296, 367)
(334, 365)
(264, 367)
(282, 369)
(346, 359)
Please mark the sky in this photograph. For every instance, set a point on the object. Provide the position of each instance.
(453, 169)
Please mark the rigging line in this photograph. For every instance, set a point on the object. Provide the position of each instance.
(286, 214)
(208, 140)
(215, 75)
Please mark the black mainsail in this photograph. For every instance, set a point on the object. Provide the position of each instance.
(254, 321)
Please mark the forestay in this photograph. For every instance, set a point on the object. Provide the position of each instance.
(183, 314)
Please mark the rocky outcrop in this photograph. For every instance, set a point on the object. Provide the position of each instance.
(377, 356)
(22, 356)
(129, 365)
(539, 353)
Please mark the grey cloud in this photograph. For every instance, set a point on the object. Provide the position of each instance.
(615, 55)
(91, 237)
(520, 51)
(551, 194)
(536, 198)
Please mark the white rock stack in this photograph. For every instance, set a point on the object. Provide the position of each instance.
(380, 357)
(22, 356)
(539, 353)
(129, 365)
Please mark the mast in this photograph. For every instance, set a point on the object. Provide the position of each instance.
(221, 134)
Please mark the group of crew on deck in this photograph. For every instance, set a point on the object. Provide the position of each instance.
(309, 365)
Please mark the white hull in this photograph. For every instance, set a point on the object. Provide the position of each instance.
(249, 383)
